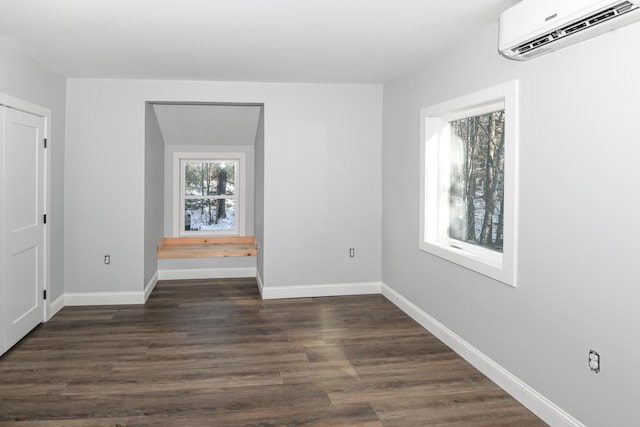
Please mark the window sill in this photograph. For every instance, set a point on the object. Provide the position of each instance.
(207, 247)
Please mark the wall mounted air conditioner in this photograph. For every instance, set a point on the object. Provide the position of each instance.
(533, 27)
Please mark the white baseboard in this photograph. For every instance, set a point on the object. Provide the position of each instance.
(150, 285)
(534, 401)
(104, 298)
(319, 290)
(206, 273)
(54, 307)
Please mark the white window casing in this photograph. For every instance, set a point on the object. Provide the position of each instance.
(434, 182)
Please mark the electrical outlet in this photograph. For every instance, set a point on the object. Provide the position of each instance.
(107, 259)
(594, 361)
(352, 252)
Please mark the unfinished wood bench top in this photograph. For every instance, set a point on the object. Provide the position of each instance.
(207, 247)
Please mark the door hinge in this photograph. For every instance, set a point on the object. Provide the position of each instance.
(44, 294)
(45, 143)
(45, 218)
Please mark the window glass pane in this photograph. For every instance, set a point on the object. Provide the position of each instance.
(476, 194)
(209, 178)
(209, 215)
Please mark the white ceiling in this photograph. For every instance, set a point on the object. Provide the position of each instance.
(199, 124)
(332, 41)
(341, 41)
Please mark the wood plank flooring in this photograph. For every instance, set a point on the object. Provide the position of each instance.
(212, 353)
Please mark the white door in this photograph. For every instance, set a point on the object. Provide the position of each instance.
(22, 145)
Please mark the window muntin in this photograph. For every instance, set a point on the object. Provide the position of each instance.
(455, 135)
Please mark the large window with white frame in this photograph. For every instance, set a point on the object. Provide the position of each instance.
(210, 193)
(468, 183)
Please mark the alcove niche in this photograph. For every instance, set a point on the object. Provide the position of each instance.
(181, 132)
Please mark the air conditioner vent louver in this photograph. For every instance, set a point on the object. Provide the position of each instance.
(565, 27)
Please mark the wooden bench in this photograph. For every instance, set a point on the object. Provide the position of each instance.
(207, 247)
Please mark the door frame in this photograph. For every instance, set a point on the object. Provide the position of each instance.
(37, 110)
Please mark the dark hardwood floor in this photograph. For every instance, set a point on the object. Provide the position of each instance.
(212, 353)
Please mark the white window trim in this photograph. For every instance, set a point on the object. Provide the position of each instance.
(178, 193)
(433, 238)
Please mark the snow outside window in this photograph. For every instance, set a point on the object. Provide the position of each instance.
(210, 194)
(468, 181)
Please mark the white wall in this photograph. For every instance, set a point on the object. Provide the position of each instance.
(322, 186)
(154, 171)
(321, 179)
(577, 287)
(24, 78)
(258, 234)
